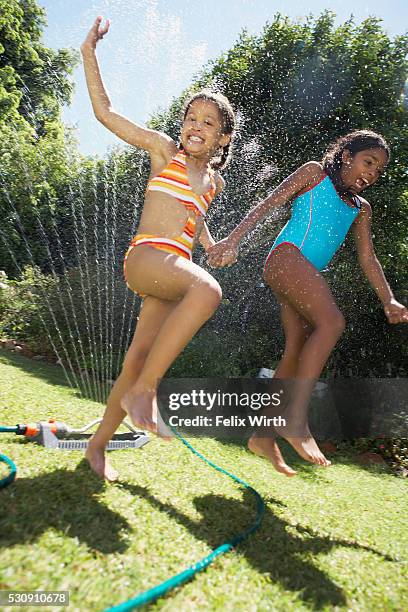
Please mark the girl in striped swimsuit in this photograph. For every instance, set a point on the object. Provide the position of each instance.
(326, 203)
(179, 296)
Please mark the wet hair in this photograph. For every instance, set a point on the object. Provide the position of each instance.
(227, 116)
(360, 140)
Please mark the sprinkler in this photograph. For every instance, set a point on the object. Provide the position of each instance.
(56, 434)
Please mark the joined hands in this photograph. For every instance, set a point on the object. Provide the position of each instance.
(223, 253)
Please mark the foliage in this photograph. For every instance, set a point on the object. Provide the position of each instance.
(22, 313)
(83, 318)
(35, 149)
(394, 450)
(296, 88)
(30, 73)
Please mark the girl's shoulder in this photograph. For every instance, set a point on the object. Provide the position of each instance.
(314, 170)
(166, 148)
(365, 206)
(163, 154)
(308, 176)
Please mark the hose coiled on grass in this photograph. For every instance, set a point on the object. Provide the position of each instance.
(161, 589)
(7, 480)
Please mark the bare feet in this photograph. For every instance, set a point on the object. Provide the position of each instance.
(141, 406)
(308, 450)
(100, 463)
(267, 447)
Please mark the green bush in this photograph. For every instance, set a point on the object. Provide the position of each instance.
(22, 313)
(394, 450)
(85, 319)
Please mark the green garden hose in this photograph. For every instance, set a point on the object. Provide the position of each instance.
(4, 459)
(179, 579)
(4, 429)
(161, 589)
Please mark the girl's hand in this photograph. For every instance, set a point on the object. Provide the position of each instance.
(396, 312)
(95, 34)
(223, 253)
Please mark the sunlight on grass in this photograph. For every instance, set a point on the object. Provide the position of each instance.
(332, 538)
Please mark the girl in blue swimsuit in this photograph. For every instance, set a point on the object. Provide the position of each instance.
(326, 202)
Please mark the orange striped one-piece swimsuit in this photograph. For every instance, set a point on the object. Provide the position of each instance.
(173, 180)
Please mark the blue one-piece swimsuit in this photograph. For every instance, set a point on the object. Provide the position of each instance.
(319, 223)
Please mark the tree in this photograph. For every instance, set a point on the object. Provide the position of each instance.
(297, 87)
(37, 74)
(34, 147)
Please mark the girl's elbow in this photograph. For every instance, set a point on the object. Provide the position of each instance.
(103, 116)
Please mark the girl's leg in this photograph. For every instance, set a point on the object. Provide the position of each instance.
(197, 295)
(153, 313)
(297, 330)
(295, 280)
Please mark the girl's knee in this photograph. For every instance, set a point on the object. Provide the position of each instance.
(334, 324)
(208, 294)
(213, 295)
(339, 323)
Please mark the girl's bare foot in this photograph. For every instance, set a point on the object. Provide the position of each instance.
(100, 464)
(141, 406)
(267, 447)
(307, 448)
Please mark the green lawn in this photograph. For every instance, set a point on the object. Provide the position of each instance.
(332, 539)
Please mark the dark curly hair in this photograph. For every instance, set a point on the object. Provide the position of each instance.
(227, 122)
(360, 140)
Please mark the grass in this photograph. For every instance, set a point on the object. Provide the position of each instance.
(331, 539)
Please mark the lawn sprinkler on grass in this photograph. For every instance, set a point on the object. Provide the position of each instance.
(56, 434)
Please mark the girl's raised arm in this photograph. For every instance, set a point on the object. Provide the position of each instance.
(301, 178)
(155, 142)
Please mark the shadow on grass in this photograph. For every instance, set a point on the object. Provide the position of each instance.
(67, 502)
(274, 550)
(62, 500)
(54, 375)
(313, 472)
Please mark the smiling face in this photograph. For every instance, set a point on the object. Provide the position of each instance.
(363, 169)
(202, 130)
